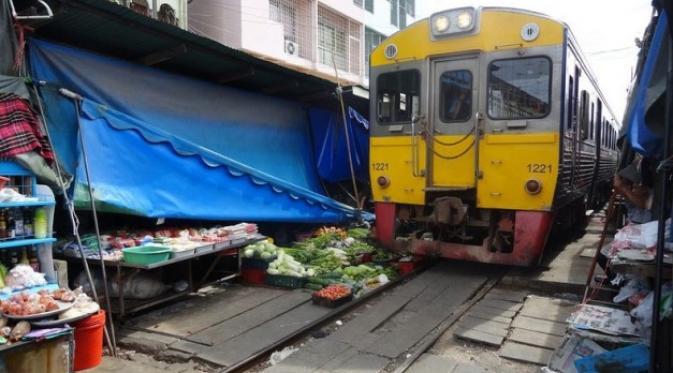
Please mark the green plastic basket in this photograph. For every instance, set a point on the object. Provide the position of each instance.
(285, 281)
(147, 254)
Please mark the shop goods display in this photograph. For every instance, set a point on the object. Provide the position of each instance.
(179, 241)
(331, 256)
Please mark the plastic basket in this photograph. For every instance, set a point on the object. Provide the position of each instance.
(253, 276)
(256, 263)
(320, 301)
(285, 281)
(147, 254)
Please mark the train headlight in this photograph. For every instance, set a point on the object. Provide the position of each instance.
(455, 21)
(464, 20)
(383, 181)
(533, 186)
(441, 24)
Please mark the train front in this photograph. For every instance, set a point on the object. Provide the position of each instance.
(465, 138)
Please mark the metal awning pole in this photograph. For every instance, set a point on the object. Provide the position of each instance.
(77, 99)
(346, 132)
(73, 217)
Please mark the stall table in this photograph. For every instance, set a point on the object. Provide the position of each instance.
(127, 306)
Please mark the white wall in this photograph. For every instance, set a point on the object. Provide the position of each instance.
(219, 20)
(380, 19)
(259, 33)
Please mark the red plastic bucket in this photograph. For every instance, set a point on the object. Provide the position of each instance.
(89, 341)
(253, 276)
(406, 268)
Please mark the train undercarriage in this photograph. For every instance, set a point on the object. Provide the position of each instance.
(450, 229)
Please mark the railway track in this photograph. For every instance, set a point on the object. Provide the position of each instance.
(386, 330)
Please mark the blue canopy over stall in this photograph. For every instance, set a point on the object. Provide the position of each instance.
(645, 115)
(164, 145)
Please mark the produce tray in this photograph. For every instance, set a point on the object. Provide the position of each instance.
(204, 249)
(221, 245)
(285, 281)
(256, 263)
(320, 301)
(62, 307)
(147, 254)
(182, 253)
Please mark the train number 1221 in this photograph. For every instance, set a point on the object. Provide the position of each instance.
(539, 168)
(381, 166)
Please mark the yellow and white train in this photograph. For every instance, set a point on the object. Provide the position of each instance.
(487, 127)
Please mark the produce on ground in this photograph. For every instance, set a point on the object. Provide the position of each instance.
(333, 256)
(333, 292)
(286, 265)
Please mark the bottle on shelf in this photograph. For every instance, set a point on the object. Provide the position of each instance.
(40, 223)
(3, 224)
(34, 261)
(24, 257)
(18, 223)
(13, 260)
(27, 223)
(11, 225)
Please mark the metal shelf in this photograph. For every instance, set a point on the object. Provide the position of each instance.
(26, 242)
(40, 203)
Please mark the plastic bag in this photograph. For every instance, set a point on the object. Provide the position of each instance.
(632, 287)
(142, 285)
(644, 311)
(23, 276)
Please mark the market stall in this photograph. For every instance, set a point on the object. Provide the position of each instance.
(625, 321)
(131, 253)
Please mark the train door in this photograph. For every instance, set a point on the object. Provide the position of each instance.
(450, 141)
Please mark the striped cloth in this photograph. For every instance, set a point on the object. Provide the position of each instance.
(20, 131)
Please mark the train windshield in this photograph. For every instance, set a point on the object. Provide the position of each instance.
(519, 88)
(398, 96)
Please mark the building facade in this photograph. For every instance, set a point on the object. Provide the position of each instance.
(315, 36)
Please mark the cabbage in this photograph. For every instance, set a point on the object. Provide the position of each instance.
(249, 252)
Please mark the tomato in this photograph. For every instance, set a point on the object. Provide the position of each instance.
(333, 292)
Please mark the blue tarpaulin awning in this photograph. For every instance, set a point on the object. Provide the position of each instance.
(643, 130)
(163, 145)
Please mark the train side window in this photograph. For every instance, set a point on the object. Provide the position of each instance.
(398, 96)
(571, 91)
(584, 115)
(591, 123)
(455, 96)
(519, 88)
(598, 120)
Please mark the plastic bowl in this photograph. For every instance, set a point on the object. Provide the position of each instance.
(148, 254)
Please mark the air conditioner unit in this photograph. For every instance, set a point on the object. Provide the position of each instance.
(291, 48)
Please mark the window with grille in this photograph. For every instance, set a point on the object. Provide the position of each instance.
(369, 6)
(339, 41)
(295, 16)
(411, 8)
